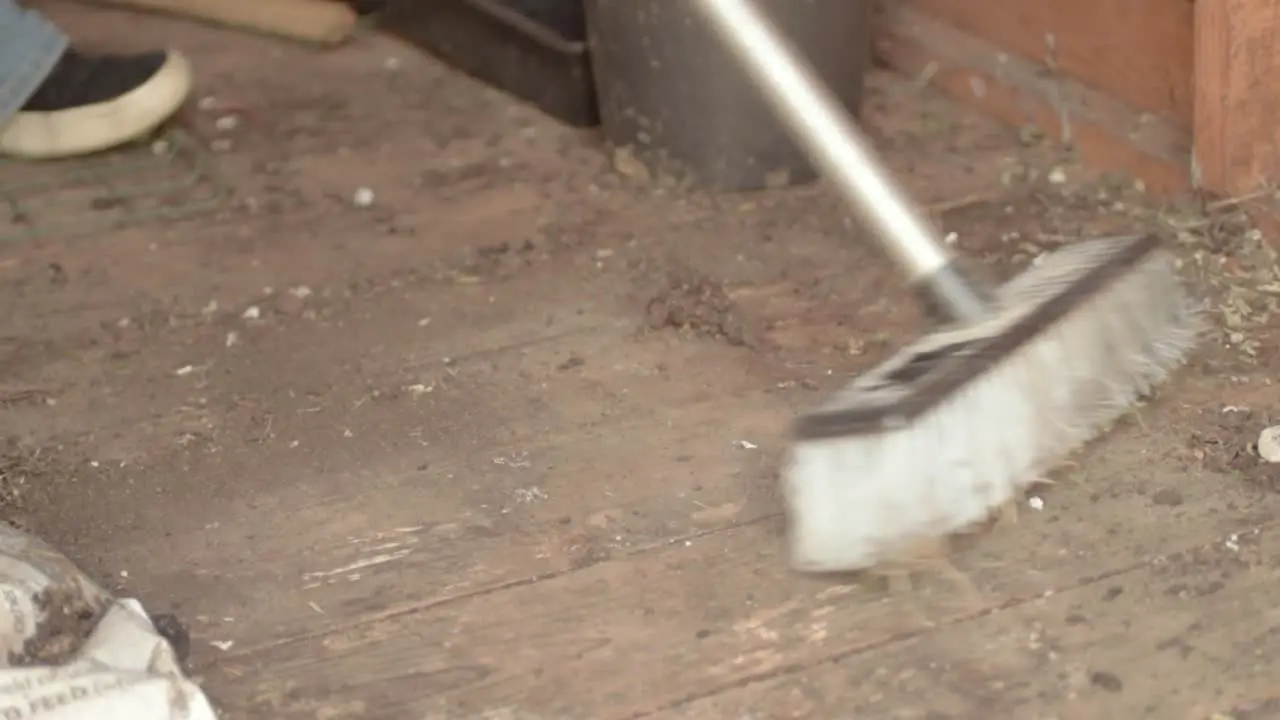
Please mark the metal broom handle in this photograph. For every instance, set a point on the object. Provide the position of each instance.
(819, 122)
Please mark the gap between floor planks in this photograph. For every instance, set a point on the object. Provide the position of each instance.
(1104, 649)
(420, 547)
(642, 633)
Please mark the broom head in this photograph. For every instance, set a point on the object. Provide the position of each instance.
(951, 428)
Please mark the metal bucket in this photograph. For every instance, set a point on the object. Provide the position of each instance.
(678, 111)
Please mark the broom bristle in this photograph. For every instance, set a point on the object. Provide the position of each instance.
(933, 440)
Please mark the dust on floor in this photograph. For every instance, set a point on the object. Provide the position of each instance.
(506, 440)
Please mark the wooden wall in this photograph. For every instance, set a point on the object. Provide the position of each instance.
(1134, 85)
(1237, 81)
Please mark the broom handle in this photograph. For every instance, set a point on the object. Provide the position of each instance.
(819, 123)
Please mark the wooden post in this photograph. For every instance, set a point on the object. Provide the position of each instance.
(1236, 147)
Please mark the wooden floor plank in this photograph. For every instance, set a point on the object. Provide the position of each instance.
(728, 613)
(503, 525)
(1186, 636)
(492, 494)
(315, 490)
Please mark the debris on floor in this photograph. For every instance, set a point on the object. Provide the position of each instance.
(565, 518)
(170, 178)
(699, 306)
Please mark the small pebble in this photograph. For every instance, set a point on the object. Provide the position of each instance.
(227, 123)
(1057, 176)
(363, 197)
(1030, 135)
(1269, 444)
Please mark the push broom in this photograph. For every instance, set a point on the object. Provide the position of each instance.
(957, 424)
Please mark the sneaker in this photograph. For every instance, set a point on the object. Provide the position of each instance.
(90, 103)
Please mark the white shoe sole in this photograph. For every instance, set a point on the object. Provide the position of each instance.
(100, 126)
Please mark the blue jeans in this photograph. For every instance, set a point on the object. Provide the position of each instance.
(30, 46)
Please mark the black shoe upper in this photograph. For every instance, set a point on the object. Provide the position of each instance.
(81, 79)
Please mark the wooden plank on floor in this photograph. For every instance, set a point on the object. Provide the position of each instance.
(494, 368)
(502, 517)
(652, 630)
(1108, 649)
(515, 467)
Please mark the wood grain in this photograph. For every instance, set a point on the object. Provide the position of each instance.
(1237, 63)
(658, 630)
(1103, 650)
(1108, 133)
(1138, 51)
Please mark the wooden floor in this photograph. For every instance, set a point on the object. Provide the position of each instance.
(459, 463)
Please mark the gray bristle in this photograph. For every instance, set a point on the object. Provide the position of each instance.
(1124, 341)
(856, 501)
